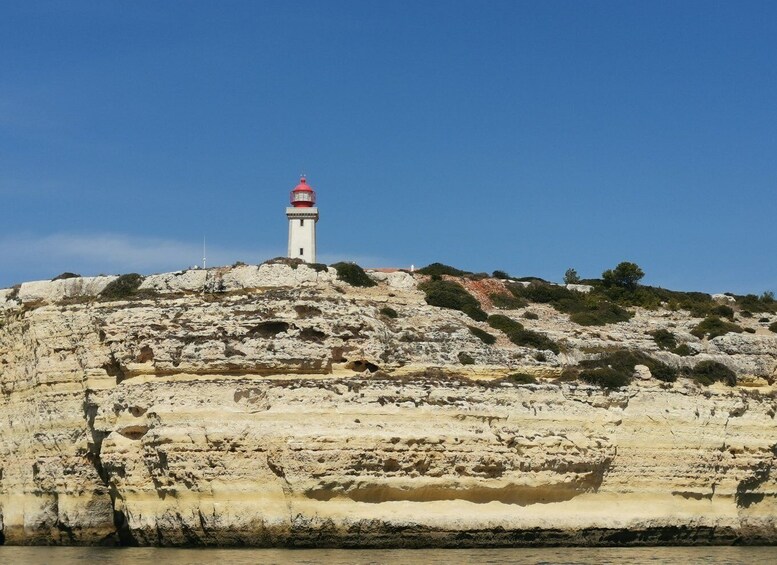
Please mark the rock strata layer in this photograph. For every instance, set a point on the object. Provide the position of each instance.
(279, 406)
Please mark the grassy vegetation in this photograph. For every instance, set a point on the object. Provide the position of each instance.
(504, 323)
(723, 311)
(529, 338)
(449, 294)
(713, 327)
(616, 369)
(507, 302)
(519, 335)
(520, 379)
(530, 316)
(482, 335)
(664, 339)
(126, 286)
(753, 303)
(683, 350)
(617, 290)
(773, 327)
(599, 314)
(583, 309)
(667, 341)
(605, 377)
(66, 275)
(353, 274)
(708, 372)
(442, 269)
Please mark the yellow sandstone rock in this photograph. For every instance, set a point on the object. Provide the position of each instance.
(288, 411)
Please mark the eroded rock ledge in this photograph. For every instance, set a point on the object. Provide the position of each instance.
(292, 413)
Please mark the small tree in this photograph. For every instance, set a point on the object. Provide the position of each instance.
(626, 275)
(571, 277)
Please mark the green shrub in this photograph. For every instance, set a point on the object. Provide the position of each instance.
(318, 267)
(663, 372)
(586, 310)
(753, 303)
(605, 377)
(664, 339)
(504, 323)
(123, 287)
(600, 314)
(698, 303)
(353, 274)
(529, 338)
(520, 379)
(749, 330)
(500, 275)
(66, 275)
(683, 350)
(530, 316)
(543, 293)
(644, 297)
(506, 302)
(465, 359)
(773, 327)
(623, 362)
(483, 335)
(389, 312)
(441, 269)
(291, 262)
(449, 294)
(714, 327)
(763, 320)
(14, 294)
(708, 372)
(519, 335)
(746, 314)
(723, 311)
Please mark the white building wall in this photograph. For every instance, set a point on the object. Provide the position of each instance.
(302, 233)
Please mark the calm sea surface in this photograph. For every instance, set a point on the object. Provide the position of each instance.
(603, 556)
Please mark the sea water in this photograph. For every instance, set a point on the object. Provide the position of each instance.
(569, 555)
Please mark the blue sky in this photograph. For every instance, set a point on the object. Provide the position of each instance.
(523, 136)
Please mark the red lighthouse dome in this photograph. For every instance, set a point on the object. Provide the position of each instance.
(303, 196)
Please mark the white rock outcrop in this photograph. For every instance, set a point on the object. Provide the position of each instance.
(57, 290)
(396, 279)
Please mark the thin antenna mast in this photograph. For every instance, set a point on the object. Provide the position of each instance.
(203, 251)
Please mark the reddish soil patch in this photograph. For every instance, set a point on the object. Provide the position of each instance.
(483, 289)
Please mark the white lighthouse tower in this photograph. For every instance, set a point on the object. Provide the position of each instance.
(302, 216)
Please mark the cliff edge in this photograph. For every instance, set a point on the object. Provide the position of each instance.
(279, 405)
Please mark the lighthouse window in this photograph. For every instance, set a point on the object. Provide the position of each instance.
(301, 252)
(302, 222)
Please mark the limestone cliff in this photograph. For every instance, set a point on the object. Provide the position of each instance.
(275, 405)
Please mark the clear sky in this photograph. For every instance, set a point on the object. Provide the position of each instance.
(528, 137)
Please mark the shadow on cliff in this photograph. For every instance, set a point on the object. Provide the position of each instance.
(520, 495)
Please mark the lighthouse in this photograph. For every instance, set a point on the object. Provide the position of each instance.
(302, 215)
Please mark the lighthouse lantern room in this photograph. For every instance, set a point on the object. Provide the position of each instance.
(302, 216)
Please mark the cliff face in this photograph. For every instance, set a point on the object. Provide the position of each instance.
(286, 409)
